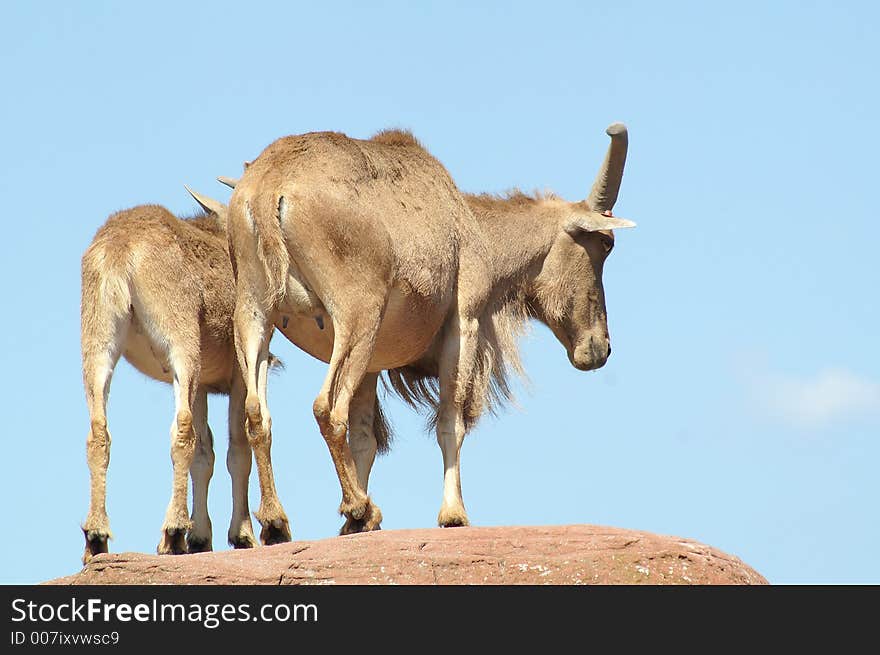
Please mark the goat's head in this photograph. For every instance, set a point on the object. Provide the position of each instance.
(569, 295)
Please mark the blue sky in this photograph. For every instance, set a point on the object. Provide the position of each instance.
(741, 406)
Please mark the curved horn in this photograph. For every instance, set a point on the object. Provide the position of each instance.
(603, 195)
(206, 203)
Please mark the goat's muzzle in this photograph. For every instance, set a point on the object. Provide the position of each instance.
(591, 354)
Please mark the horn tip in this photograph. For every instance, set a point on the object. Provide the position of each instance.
(616, 129)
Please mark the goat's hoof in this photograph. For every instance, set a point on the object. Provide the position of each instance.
(452, 517)
(243, 541)
(351, 526)
(370, 520)
(199, 544)
(354, 526)
(275, 532)
(356, 510)
(96, 543)
(173, 542)
(243, 538)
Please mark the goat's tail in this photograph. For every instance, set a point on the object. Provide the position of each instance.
(382, 428)
(105, 313)
(265, 214)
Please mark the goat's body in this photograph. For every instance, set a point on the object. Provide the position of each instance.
(350, 200)
(147, 260)
(366, 256)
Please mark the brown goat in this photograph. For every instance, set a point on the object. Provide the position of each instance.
(365, 255)
(159, 291)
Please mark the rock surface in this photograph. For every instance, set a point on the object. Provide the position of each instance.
(556, 555)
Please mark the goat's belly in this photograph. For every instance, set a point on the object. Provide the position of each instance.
(304, 333)
(408, 327)
(217, 362)
(144, 356)
(151, 360)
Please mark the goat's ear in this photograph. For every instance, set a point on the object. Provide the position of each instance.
(595, 221)
(231, 181)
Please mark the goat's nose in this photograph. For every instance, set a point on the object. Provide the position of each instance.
(609, 350)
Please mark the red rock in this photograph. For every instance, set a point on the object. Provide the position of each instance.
(556, 555)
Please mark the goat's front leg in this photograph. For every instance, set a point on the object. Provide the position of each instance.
(457, 363)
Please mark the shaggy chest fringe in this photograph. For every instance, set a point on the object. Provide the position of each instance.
(488, 387)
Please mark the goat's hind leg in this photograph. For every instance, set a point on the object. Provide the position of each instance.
(238, 463)
(104, 328)
(352, 350)
(364, 416)
(183, 445)
(199, 538)
(253, 331)
(96, 527)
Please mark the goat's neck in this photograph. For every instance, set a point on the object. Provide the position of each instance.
(517, 240)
